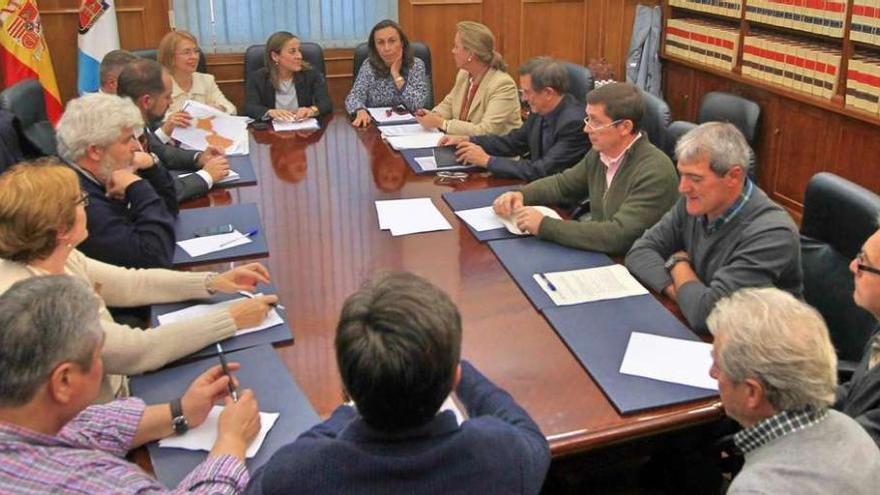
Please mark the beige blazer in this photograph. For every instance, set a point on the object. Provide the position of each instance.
(204, 90)
(495, 109)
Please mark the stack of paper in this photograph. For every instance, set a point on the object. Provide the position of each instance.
(231, 177)
(405, 130)
(201, 246)
(310, 124)
(384, 115)
(211, 127)
(481, 219)
(511, 224)
(272, 318)
(669, 360)
(414, 141)
(204, 436)
(590, 284)
(410, 216)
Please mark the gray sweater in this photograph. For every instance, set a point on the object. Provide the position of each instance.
(759, 247)
(834, 456)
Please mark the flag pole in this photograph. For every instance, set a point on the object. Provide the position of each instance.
(213, 29)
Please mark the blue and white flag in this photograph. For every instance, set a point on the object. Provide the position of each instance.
(98, 35)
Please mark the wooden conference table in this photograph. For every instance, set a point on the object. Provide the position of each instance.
(315, 194)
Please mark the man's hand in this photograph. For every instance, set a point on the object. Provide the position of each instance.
(508, 203)
(528, 220)
(428, 119)
(361, 119)
(119, 182)
(251, 312)
(209, 154)
(176, 119)
(282, 115)
(243, 277)
(302, 113)
(238, 426)
(449, 140)
(142, 161)
(208, 388)
(471, 154)
(218, 168)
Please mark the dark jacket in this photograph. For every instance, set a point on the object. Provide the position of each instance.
(498, 450)
(568, 144)
(311, 89)
(171, 157)
(859, 398)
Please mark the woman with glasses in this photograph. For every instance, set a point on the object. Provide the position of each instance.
(43, 220)
(179, 53)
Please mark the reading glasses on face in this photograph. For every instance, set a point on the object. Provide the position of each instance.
(593, 127)
(862, 267)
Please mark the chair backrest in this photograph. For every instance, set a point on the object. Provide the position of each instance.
(674, 132)
(656, 119)
(26, 101)
(839, 216)
(420, 51)
(254, 57)
(153, 54)
(580, 81)
(725, 107)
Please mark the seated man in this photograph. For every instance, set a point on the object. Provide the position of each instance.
(776, 371)
(111, 65)
(398, 344)
(549, 141)
(860, 397)
(149, 87)
(632, 181)
(722, 235)
(53, 441)
(132, 200)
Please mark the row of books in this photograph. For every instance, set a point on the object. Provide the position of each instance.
(729, 8)
(863, 83)
(825, 17)
(800, 65)
(865, 25)
(706, 42)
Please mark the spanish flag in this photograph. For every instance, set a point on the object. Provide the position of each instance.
(23, 51)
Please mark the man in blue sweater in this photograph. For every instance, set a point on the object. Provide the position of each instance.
(398, 345)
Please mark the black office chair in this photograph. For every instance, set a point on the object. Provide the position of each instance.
(153, 54)
(254, 58)
(580, 81)
(725, 107)
(655, 120)
(839, 216)
(420, 51)
(25, 100)
(674, 132)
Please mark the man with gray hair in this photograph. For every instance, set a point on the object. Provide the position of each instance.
(723, 234)
(549, 141)
(776, 372)
(52, 440)
(111, 65)
(132, 201)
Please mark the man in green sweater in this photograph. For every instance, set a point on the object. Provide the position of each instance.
(629, 182)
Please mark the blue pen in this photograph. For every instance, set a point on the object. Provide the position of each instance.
(243, 236)
(548, 282)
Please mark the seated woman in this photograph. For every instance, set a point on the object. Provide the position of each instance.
(179, 53)
(43, 219)
(392, 76)
(484, 99)
(287, 88)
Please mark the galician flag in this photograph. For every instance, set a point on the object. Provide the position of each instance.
(98, 35)
(23, 51)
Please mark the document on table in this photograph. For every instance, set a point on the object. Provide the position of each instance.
(410, 216)
(405, 130)
(511, 224)
(200, 246)
(231, 177)
(481, 219)
(204, 436)
(384, 115)
(414, 141)
(310, 124)
(590, 284)
(211, 127)
(686, 362)
(272, 319)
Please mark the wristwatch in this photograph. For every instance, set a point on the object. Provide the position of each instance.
(675, 258)
(178, 420)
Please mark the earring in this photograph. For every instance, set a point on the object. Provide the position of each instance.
(469, 59)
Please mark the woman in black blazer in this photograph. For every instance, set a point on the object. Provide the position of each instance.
(287, 88)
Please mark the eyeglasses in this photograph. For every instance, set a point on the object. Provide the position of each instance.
(83, 199)
(862, 267)
(188, 53)
(590, 126)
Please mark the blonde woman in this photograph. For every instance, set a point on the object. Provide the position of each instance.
(179, 53)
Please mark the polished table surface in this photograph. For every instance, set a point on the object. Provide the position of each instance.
(315, 193)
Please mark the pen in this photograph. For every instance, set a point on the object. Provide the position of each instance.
(225, 366)
(243, 236)
(548, 282)
(251, 296)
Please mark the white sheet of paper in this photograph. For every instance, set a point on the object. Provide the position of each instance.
(272, 318)
(481, 219)
(410, 216)
(669, 360)
(405, 130)
(200, 246)
(380, 114)
(414, 141)
(205, 435)
(511, 224)
(228, 126)
(426, 162)
(310, 124)
(231, 177)
(590, 284)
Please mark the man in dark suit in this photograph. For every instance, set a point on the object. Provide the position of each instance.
(398, 345)
(550, 141)
(149, 87)
(860, 397)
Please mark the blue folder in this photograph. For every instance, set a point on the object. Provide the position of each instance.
(478, 198)
(241, 164)
(525, 256)
(279, 333)
(244, 217)
(597, 333)
(262, 371)
(409, 156)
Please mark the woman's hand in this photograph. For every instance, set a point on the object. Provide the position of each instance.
(282, 115)
(244, 277)
(362, 119)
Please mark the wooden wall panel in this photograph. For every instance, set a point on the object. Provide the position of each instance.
(542, 35)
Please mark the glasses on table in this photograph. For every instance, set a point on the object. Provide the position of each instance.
(593, 127)
(862, 267)
(449, 177)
